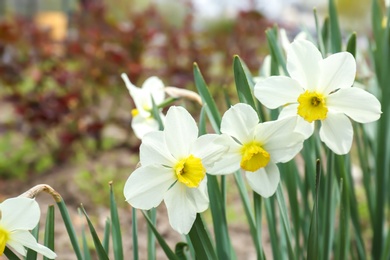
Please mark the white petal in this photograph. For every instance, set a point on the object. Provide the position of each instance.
(18, 247)
(180, 131)
(356, 103)
(143, 125)
(153, 150)
(274, 129)
(303, 63)
(141, 99)
(337, 133)
(19, 213)
(284, 147)
(209, 148)
(277, 91)
(230, 161)
(265, 180)
(183, 203)
(337, 71)
(133, 90)
(155, 88)
(146, 186)
(26, 239)
(302, 126)
(239, 122)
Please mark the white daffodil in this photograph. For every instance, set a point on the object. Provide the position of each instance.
(257, 147)
(320, 89)
(173, 168)
(17, 217)
(143, 121)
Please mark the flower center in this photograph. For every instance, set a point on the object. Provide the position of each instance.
(134, 112)
(312, 106)
(4, 237)
(254, 156)
(190, 171)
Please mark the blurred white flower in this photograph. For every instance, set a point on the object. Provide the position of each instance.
(143, 121)
(173, 168)
(17, 217)
(257, 147)
(320, 89)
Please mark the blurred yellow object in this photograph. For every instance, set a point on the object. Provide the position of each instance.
(353, 8)
(55, 21)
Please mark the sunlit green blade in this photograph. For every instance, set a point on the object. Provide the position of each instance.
(151, 242)
(320, 40)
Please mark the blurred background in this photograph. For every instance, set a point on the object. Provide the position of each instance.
(65, 113)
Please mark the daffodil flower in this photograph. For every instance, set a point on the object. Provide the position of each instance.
(17, 217)
(173, 168)
(143, 121)
(257, 147)
(320, 90)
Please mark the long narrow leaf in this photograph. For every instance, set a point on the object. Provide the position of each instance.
(98, 245)
(208, 101)
(69, 228)
(201, 241)
(49, 229)
(31, 254)
(134, 231)
(106, 236)
(168, 252)
(116, 228)
(312, 248)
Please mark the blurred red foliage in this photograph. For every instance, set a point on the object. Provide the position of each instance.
(57, 86)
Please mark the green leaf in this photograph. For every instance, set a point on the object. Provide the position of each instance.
(168, 252)
(285, 221)
(312, 246)
(10, 255)
(223, 244)
(243, 87)
(49, 229)
(201, 241)
(102, 254)
(134, 231)
(335, 33)
(31, 254)
(320, 39)
(69, 228)
(87, 254)
(208, 101)
(116, 228)
(180, 249)
(249, 216)
(151, 243)
(106, 236)
(275, 50)
(351, 45)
